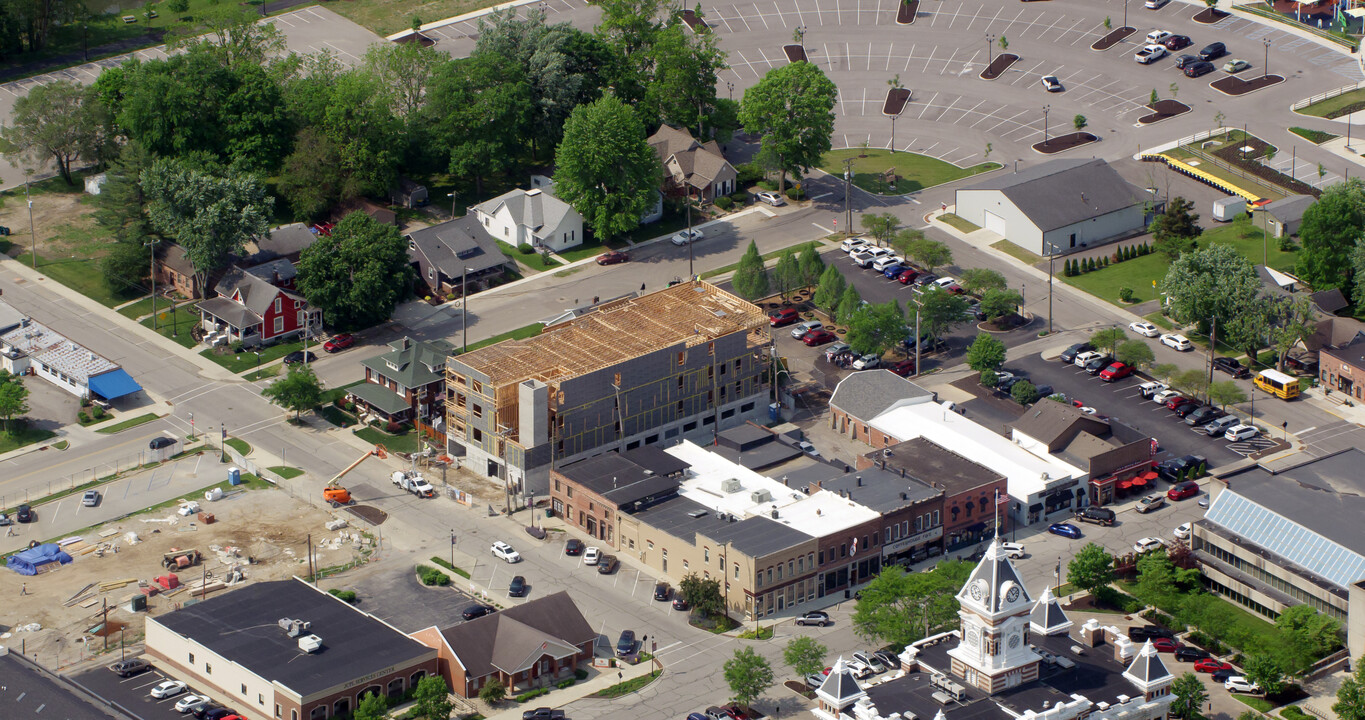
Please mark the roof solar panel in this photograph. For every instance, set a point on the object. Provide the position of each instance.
(1288, 539)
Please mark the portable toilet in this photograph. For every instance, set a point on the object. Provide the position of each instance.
(234, 476)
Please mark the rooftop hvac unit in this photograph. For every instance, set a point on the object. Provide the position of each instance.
(310, 643)
(730, 485)
(760, 496)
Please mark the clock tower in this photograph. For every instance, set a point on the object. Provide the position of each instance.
(994, 653)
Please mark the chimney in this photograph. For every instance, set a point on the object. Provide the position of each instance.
(407, 342)
(276, 275)
(784, 481)
(860, 480)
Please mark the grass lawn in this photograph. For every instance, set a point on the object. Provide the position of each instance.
(263, 373)
(1258, 703)
(337, 416)
(387, 17)
(530, 260)
(1317, 137)
(796, 249)
(408, 442)
(1251, 242)
(330, 395)
(589, 248)
(1018, 253)
(520, 333)
(1160, 320)
(129, 423)
(628, 687)
(916, 171)
(238, 444)
(141, 307)
(21, 436)
(174, 324)
(246, 360)
(669, 224)
(1326, 107)
(83, 276)
(960, 223)
(285, 471)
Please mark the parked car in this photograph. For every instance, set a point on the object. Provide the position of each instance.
(5, 520)
(1231, 367)
(612, 258)
(1143, 633)
(783, 316)
(1163, 397)
(1013, 551)
(867, 362)
(1158, 36)
(592, 556)
(339, 342)
(662, 591)
(503, 551)
(1218, 426)
(1198, 68)
(1052, 84)
(1179, 401)
(517, 588)
(1239, 683)
(1066, 530)
(1151, 502)
(161, 442)
(90, 498)
(680, 604)
(543, 713)
(1174, 469)
(1183, 531)
(1148, 389)
(574, 547)
(1155, 4)
(625, 644)
(190, 703)
(1235, 66)
(1149, 54)
(1177, 341)
(1177, 42)
(894, 271)
(771, 198)
(1166, 645)
(888, 658)
(1212, 51)
(1142, 327)
(687, 236)
(1182, 62)
(1116, 371)
(817, 337)
(607, 565)
(1147, 544)
(853, 245)
(815, 680)
(904, 368)
(168, 688)
(867, 256)
(817, 617)
(925, 279)
(25, 514)
(806, 327)
(1096, 365)
(299, 356)
(1211, 665)
(1085, 357)
(870, 660)
(477, 610)
(130, 667)
(835, 349)
(887, 261)
(1237, 433)
(1096, 515)
(1222, 675)
(1190, 654)
(1184, 410)
(1069, 354)
(1184, 490)
(1203, 416)
(907, 276)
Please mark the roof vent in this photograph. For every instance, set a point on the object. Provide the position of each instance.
(532, 193)
(774, 513)
(310, 643)
(860, 480)
(905, 496)
(649, 473)
(697, 513)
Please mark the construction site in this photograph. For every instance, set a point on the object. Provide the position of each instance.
(96, 593)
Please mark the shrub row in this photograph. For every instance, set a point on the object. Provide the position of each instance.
(432, 576)
(1080, 266)
(446, 564)
(532, 695)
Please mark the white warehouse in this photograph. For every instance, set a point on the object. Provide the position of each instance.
(1057, 207)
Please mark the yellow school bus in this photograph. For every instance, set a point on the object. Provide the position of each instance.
(1278, 384)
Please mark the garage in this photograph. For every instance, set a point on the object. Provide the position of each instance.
(995, 223)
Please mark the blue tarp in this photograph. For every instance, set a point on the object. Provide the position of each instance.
(25, 562)
(114, 384)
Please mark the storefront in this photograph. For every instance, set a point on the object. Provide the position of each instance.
(907, 549)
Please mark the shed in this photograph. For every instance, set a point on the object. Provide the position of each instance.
(409, 193)
(1284, 216)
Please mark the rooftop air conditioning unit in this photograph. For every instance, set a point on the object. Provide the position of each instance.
(730, 485)
(760, 496)
(310, 643)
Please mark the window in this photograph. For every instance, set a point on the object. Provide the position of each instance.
(279, 324)
(801, 563)
(759, 581)
(208, 669)
(680, 382)
(822, 557)
(936, 521)
(278, 304)
(478, 411)
(277, 709)
(569, 489)
(651, 544)
(779, 571)
(790, 571)
(478, 387)
(736, 571)
(478, 435)
(682, 358)
(191, 658)
(706, 554)
(243, 688)
(260, 699)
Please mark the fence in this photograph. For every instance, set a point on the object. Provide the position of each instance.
(1326, 96)
(1348, 42)
(250, 466)
(102, 472)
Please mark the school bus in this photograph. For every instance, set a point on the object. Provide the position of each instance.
(1278, 384)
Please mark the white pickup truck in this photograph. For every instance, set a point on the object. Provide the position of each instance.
(413, 483)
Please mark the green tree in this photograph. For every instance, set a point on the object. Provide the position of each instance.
(811, 266)
(121, 206)
(1191, 382)
(1079, 122)
(849, 305)
(931, 254)
(232, 35)
(898, 608)
(404, 70)
(604, 167)
(703, 594)
(211, 216)
(791, 109)
(13, 398)
(1174, 231)
(1160, 582)
(371, 707)
(432, 698)
(59, 121)
(479, 110)
(1350, 704)
(1108, 339)
(492, 692)
(1225, 393)
(979, 280)
(1295, 322)
(940, 311)
(1306, 636)
(1091, 569)
(985, 353)
(1215, 282)
(1135, 353)
(989, 378)
(787, 274)
(750, 280)
(360, 121)
(999, 303)
(298, 390)
(1190, 696)
(905, 240)
(357, 275)
(876, 329)
(805, 655)
(881, 227)
(1024, 392)
(1328, 235)
(748, 674)
(1165, 372)
(1249, 328)
(830, 290)
(310, 179)
(683, 67)
(1265, 671)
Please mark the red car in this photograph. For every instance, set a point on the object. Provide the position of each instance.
(1166, 645)
(323, 229)
(734, 712)
(785, 316)
(1175, 402)
(1187, 489)
(817, 337)
(1116, 371)
(908, 276)
(339, 342)
(903, 368)
(611, 258)
(955, 289)
(1210, 665)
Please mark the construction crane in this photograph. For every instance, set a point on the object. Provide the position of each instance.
(337, 495)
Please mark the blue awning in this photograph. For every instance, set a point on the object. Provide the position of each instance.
(113, 384)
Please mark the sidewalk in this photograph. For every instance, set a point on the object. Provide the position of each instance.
(598, 679)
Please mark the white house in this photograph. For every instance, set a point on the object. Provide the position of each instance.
(533, 217)
(1057, 207)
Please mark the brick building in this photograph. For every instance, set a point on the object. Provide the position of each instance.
(862, 396)
(970, 490)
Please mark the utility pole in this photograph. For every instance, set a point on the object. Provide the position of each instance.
(1051, 253)
(151, 244)
(452, 196)
(687, 198)
(848, 189)
(917, 339)
(1213, 344)
(33, 234)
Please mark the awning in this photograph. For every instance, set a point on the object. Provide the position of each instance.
(1138, 482)
(1149, 475)
(114, 384)
(978, 527)
(1125, 484)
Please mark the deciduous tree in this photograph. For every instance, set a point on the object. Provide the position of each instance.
(791, 109)
(830, 290)
(849, 304)
(999, 303)
(1350, 704)
(1136, 353)
(703, 594)
(898, 608)
(876, 329)
(357, 275)
(371, 707)
(299, 390)
(905, 241)
(404, 70)
(478, 110)
(979, 280)
(1190, 696)
(787, 274)
(1191, 382)
(604, 167)
(1024, 392)
(233, 34)
(805, 655)
(13, 398)
(985, 353)
(311, 180)
(748, 674)
(932, 254)
(1091, 569)
(880, 226)
(1215, 282)
(1265, 671)
(432, 698)
(1108, 339)
(1294, 323)
(940, 311)
(1225, 393)
(492, 692)
(59, 121)
(1328, 235)
(1174, 232)
(750, 280)
(683, 69)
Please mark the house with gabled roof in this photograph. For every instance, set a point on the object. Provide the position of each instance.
(524, 647)
(251, 310)
(405, 383)
(696, 168)
(456, 254)
(531, 217)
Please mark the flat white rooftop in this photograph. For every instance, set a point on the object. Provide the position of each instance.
(1027, 473)
(51, 348)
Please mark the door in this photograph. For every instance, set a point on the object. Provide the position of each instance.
(995, 223)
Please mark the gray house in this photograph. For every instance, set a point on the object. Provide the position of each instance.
(1284, 216)
(1056, 207)
(457, 251)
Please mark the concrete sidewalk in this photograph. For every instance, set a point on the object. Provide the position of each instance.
(598, 680)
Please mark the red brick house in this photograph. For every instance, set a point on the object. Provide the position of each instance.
(406, 383)
(251, 310)
(524, 647)
(175, 271)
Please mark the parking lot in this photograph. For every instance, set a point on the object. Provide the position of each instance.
(131, 694)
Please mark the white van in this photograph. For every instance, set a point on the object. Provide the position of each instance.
(852, 245)
(1240, 432)
(1221, 425)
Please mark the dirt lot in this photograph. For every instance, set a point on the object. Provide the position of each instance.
(269, 529)
(64, 222)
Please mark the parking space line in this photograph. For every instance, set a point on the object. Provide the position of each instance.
(931, 59)
(926, 106)
(888, 56)
(1029, 72)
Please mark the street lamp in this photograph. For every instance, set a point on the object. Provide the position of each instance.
(464, 308)
(452, 195)
(32, 234)
(152, 244)
(1046, 108)
(1125, 13)
(990, 49)
(731, 88)
(1265, 65)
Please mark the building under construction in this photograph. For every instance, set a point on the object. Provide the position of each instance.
(683, 362)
